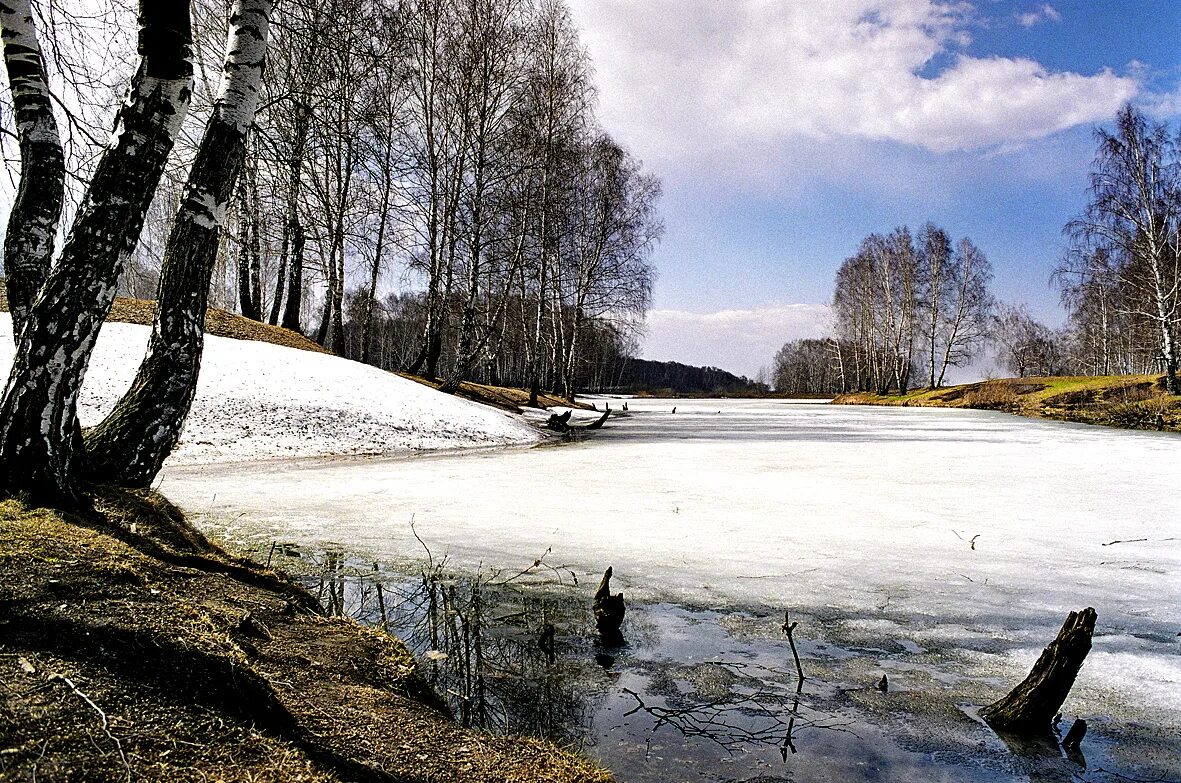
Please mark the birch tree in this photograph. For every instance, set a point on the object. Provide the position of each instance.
(967, 318)
(935, 261)
(1135, 212)
(614, 229)
(130, 445)
(896, 302)
(33, 222)
(40, 447)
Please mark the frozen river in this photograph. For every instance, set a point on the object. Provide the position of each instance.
(970, 534)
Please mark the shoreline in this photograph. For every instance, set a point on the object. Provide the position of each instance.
(133, 646)
(1131, 402)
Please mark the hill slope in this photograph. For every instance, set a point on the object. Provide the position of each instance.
(674, 378)
(259, 400)
(135, 648)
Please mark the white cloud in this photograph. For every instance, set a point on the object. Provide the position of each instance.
(697, 81)
(1045, 13)
(740, 341)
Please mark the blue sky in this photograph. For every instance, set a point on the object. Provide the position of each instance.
(784, 132)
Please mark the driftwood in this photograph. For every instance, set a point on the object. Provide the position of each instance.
(599, 422)
(608, 610)
(1029, 709)
(561, 423)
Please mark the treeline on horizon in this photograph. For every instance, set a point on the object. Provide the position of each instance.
(908, 308)
(630, 375)
(426, 187)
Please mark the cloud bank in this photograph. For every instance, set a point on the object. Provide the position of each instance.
(741, 341)
(682, 80)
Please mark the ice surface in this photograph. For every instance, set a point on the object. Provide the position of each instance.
(867, 513)
(261, 401)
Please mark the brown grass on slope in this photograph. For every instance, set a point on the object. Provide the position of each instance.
(1129, 401)
(125, 652)
(218, 323)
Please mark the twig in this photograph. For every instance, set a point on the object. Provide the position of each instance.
(788, 628)
(44, 747)
(106, 723)
(1110, 543)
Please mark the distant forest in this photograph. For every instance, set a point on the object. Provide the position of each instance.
(632, 376)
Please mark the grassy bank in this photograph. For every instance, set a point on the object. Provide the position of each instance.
(133, 647)
(1130, 401)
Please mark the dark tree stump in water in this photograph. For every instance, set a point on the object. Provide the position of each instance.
(1074, 737)
(1029, 709)
(599, 422)
(560, 423)
(546, 642)
(608, 610)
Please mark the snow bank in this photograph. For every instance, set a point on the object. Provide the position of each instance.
(261, 401)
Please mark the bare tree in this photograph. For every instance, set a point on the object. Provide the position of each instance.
(968, 317)
(40, 447)
(934, 264)
(1025, 345)
(130, 445)
(1135, 212)
(613, 230)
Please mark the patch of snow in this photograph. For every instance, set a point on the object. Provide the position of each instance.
(257, 401)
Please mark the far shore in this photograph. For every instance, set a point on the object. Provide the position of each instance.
(1128, 401)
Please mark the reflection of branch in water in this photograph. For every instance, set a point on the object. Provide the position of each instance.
(738, 721)
(476, 637)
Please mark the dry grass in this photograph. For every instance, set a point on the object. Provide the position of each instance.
(218, 323)
(123, 653)
(1130, 401)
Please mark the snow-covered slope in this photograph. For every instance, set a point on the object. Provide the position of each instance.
(262, 401)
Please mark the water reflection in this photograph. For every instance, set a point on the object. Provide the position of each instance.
(481, 640)
(686, 697)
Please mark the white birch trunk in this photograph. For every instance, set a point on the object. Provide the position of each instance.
(129, 447)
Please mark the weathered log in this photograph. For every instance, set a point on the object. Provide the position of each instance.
(1029, 708)
(599, 422)
(608, 610)
(560, 423)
